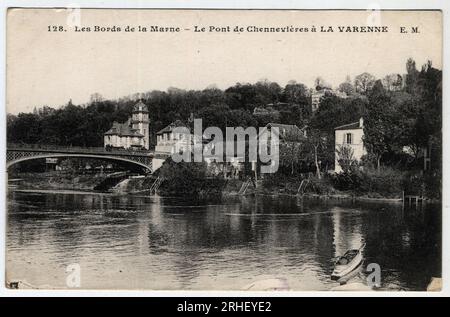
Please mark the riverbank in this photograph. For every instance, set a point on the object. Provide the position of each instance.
(56, 180)
(207, 188)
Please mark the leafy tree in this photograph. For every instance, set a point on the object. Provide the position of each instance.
(347, 87)
(345, 158)
(267, 92)
(333, 112)
(380, 130)
(364, 83)
(295, 93)
(316, 145)
(291, 149)
(320, 83)
(392, 82)
(411, 76)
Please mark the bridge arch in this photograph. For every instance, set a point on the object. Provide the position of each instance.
(64, 155)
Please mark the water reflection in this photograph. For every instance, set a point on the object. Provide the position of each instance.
(128, 242)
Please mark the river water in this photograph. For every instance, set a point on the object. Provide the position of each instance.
(138, 242)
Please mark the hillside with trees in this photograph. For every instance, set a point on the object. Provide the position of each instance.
(400, 111)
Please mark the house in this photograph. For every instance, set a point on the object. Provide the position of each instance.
(234, 167)
(288, 134)
(350, 135)
(169, 141)
(133, 134)
(229, 167)
(284, 130)
(172, 139)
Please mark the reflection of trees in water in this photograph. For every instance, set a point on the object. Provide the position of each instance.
(251, 227)
(270, 233)
(406, 244)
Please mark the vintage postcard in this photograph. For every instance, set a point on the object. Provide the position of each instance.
(256, 150)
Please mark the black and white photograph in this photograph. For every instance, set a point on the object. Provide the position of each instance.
(224, 150)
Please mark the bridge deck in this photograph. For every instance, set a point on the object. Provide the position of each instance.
(77, 150)
(21, 152)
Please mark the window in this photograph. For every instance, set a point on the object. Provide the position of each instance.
(348, 138)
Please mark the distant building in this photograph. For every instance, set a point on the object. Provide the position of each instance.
(350, 135)
(272, 110)
(133, 134)
(317, 96)
(394, 82)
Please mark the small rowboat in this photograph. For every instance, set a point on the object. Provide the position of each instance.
(347, 263)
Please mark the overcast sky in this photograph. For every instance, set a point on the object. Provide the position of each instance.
(49, 68)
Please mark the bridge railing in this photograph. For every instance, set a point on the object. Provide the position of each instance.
(75, 149)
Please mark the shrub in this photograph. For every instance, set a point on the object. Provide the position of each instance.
(188, 179)
(350, 180)
(428, 184)
(323, 186)
(385, 182)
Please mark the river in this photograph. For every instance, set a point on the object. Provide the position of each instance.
(139, 242)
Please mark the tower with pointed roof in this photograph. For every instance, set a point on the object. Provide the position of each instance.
(140, 122)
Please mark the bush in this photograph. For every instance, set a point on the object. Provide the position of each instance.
(350, 180)
(429, 184)
(323, 186)
(279, 182)
(188, 179)
(386, 182)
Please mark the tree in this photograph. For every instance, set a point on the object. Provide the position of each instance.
(364, 83)
(379, 128)
(411, 76)
(291, 149)
(316, 145)
(320, 83)
(267, 92)
(334, 112)
(392, 82)
(347, 87)
(295, 93)
(241, 96)
(345, 158)
(96, 97)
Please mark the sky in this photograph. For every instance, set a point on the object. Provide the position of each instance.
(50, 68)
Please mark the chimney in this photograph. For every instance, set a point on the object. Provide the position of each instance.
(361, 122)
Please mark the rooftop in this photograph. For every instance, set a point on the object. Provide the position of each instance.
(123, 129)
(140, 107)
(285, 128)
(170, 127)
(350, 126)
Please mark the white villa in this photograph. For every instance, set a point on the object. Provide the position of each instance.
(133, 134)
(170, 141)
(350, 135)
